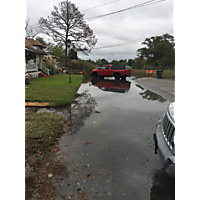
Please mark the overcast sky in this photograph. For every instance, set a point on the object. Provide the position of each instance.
(127, 29)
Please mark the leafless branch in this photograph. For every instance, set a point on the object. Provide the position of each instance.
(66, 22)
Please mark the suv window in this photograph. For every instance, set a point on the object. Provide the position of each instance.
(103, 67)
(107, 67)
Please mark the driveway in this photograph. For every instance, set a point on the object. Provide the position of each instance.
(107, 151)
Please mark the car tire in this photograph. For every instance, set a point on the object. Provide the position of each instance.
(95, 75)
(117, 76)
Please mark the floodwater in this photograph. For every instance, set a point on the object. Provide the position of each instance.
(107, 150)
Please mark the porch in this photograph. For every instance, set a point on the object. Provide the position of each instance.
(33, 64)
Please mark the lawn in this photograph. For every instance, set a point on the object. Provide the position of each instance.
(57, 90)
(42, 130)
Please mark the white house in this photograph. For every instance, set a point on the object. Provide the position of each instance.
(33, 58)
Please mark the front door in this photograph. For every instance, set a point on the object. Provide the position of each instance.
(101, 71)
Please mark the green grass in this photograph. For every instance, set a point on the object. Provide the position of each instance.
(42, 124)
(57, 90)
(42, 130)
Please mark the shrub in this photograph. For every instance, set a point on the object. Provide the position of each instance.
(52, 68)
(169, 74)
(138, 73)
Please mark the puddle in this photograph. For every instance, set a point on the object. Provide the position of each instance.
(149, 95)
(75, 113)
(107, 85)
(46, 171)
(93, 159)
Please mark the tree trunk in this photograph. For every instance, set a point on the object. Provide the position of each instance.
(66, 56)
(69, 67)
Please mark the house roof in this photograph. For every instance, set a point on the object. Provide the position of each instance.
(34, 42)
(29, 43)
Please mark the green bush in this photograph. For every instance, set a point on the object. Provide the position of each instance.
(169, 74)
(138, 73)
(52, 68)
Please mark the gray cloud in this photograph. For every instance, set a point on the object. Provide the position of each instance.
(115, 29)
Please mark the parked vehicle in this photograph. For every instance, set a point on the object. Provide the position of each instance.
(164, 140)
(118, 71)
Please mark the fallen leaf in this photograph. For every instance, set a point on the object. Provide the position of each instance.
(56, 150)
(96, 111)
(50, 175)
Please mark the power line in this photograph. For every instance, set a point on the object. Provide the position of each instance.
(135, 41)
(36, 25)
(99, 6)
(126, 9)
(122, 52)
(132, 7)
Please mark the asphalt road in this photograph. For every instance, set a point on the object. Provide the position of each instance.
(108, 150)
(164, 87)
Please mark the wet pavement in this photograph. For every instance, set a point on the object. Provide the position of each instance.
(107, 150)
(165, 87)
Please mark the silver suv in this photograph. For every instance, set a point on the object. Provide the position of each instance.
(164, 140)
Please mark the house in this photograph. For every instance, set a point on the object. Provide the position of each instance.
(33, 58)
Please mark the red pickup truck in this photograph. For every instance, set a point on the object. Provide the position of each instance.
(118, 71)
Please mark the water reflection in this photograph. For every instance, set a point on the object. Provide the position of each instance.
(107, 85)
(76, 112)
(149, 95)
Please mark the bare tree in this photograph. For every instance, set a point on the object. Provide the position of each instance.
(31, 31)
(66, 22)
(27, 23)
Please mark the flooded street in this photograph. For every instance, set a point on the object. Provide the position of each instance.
(107, 151)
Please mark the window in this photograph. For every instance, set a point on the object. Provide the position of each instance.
(107, 67)
(118, 67)
(102, 67)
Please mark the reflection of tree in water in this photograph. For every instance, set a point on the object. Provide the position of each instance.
(149, 95)
(76, 112)
(79, 110)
